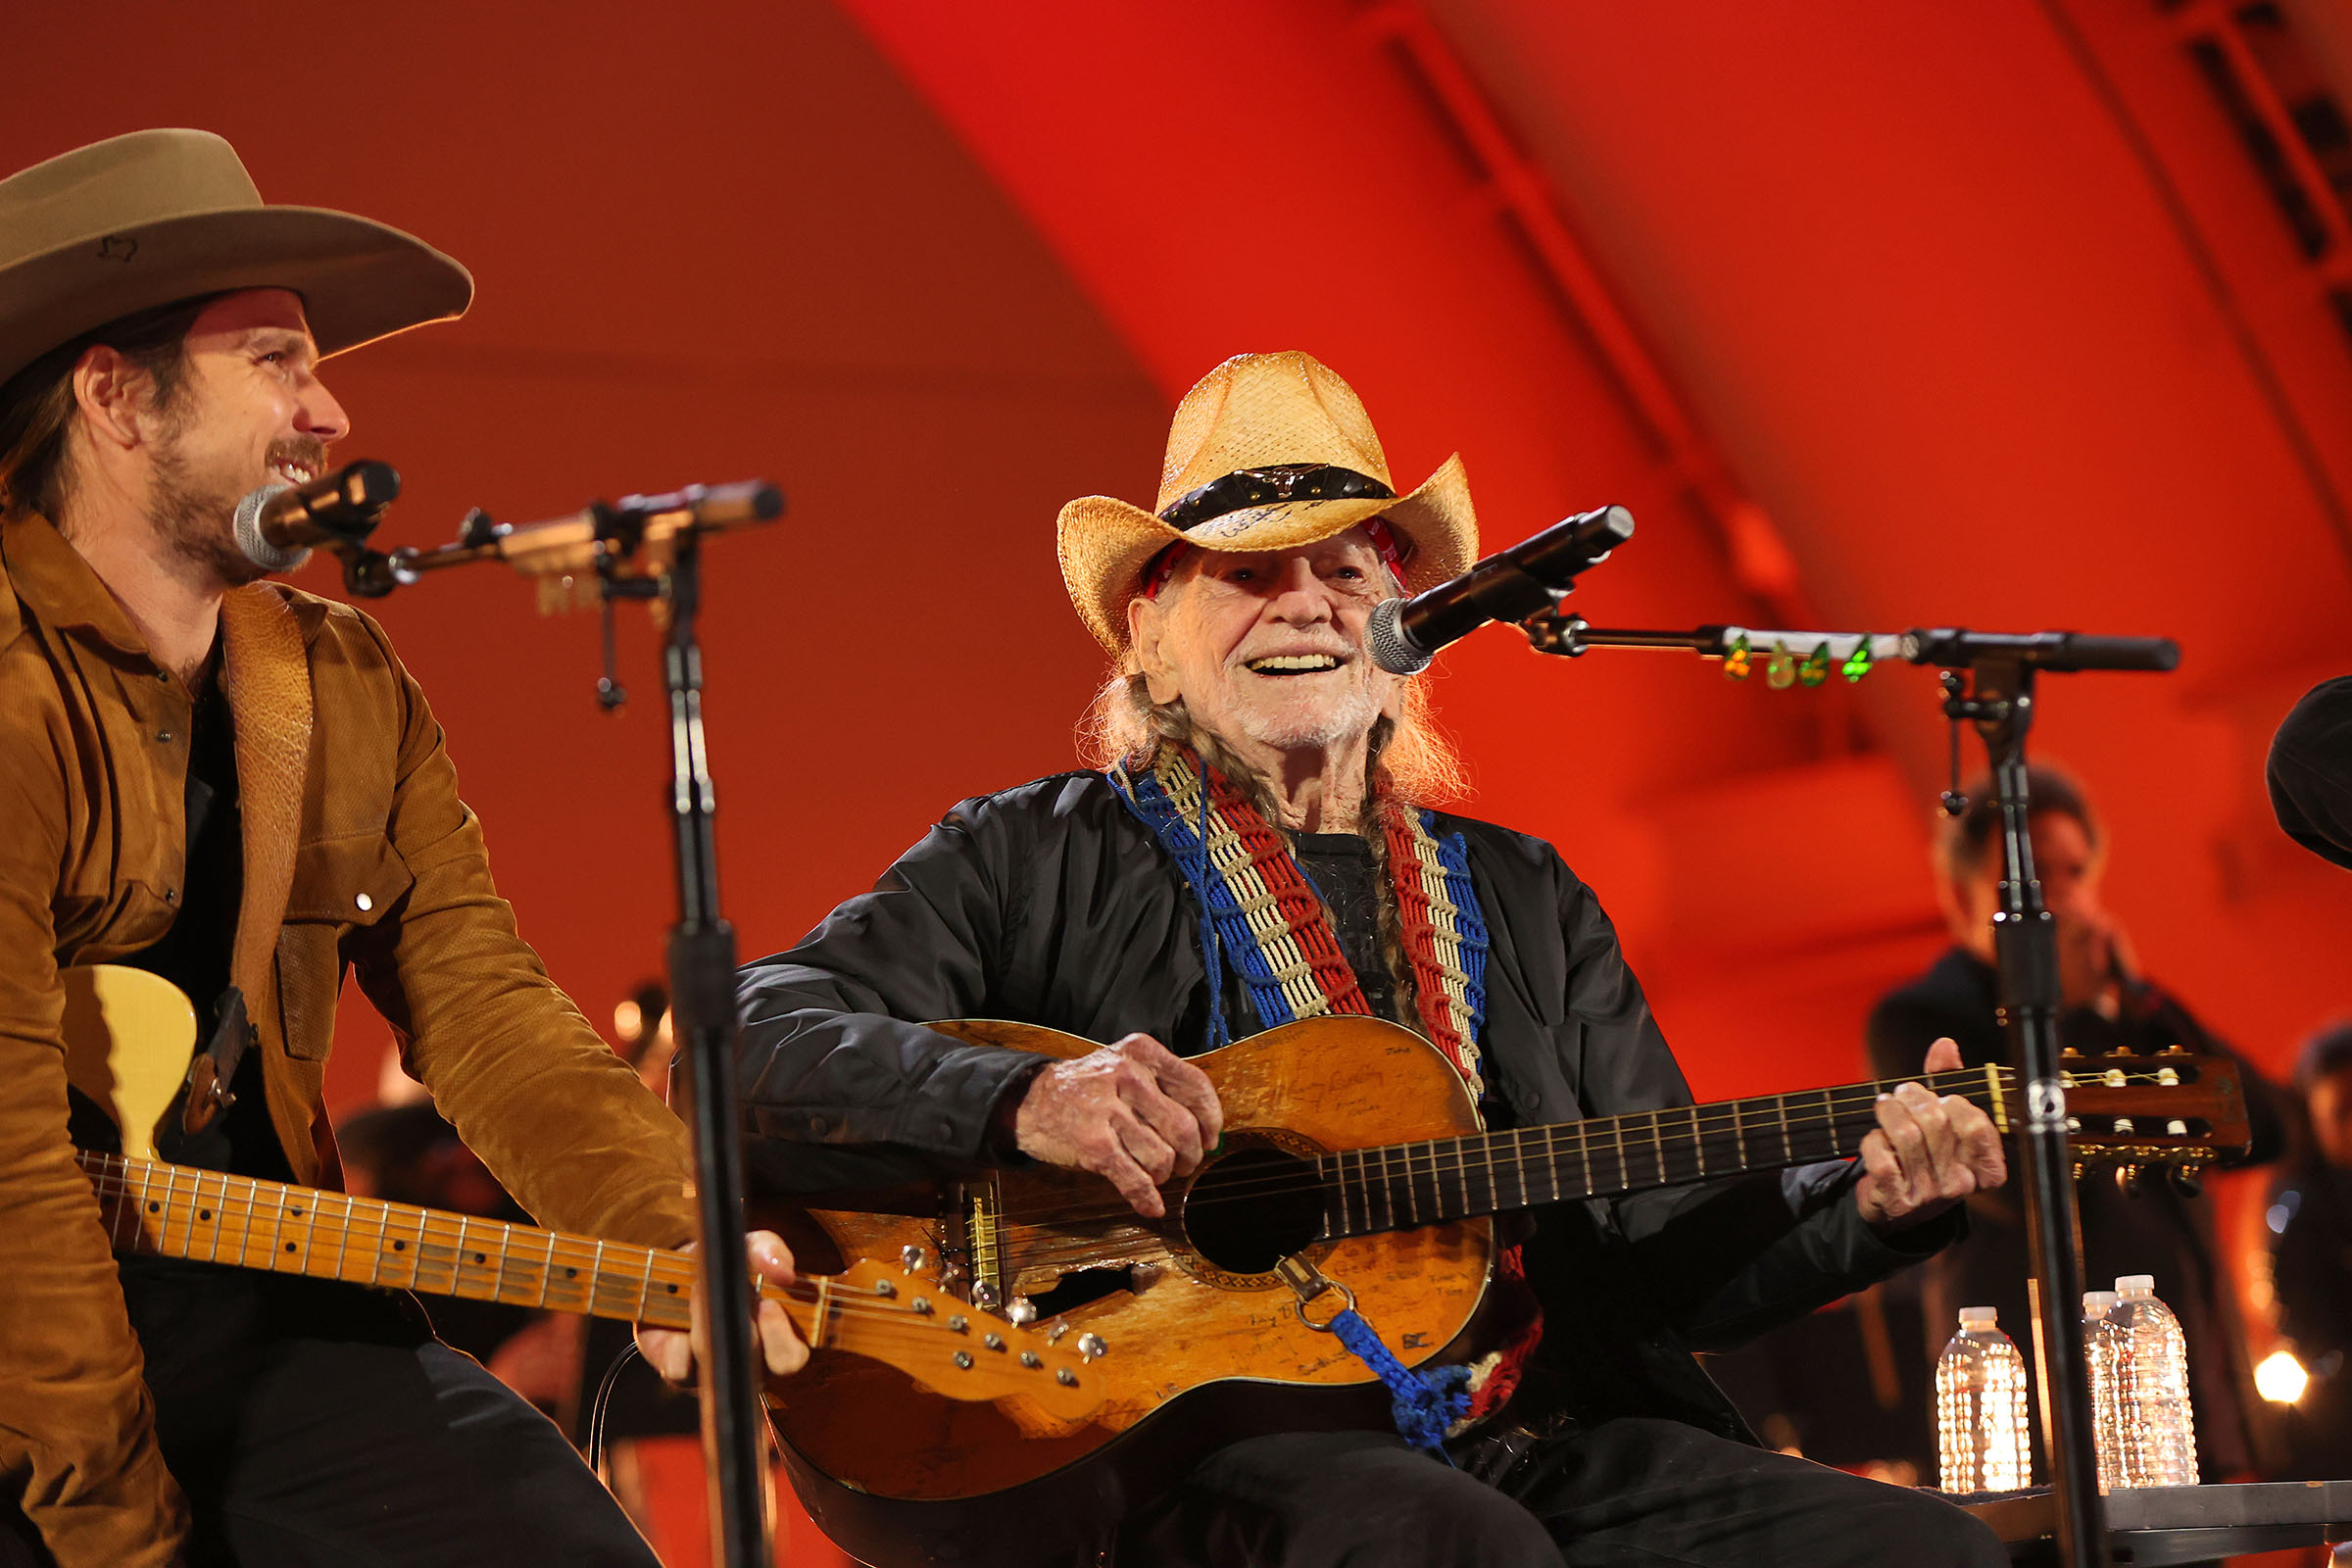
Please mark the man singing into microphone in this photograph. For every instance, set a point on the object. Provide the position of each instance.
(236, 786)
(1258, 847)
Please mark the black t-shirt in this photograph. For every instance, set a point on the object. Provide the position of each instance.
(194, 954)
(1343, 870)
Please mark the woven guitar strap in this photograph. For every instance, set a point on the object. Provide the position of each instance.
(1261, 916)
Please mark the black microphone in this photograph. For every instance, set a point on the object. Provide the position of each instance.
(278, 525)
(1512, 584)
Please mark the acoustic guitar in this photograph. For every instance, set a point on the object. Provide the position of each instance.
(130, 1037)
(1352, 1167)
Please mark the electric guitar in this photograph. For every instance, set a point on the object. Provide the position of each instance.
(130, 1037)
(1353, 1169)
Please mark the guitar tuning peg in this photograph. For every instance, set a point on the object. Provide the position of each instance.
(2070, 1052)
(2186, 1180)
(2077, 1172)
(2126, 1180)
(2175, 1048)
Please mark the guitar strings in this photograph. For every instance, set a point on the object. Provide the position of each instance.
(441, 1241)
(1672, 1131)
(1605, 1135)
(445, 1235)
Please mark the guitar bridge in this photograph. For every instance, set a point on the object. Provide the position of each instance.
(984, 1240)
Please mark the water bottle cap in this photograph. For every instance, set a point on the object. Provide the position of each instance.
(1978, 1317)
(2136, 1285)
(2100, 1302)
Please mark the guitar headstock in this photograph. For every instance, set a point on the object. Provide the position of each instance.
(955, 1349)
(2172, 1108)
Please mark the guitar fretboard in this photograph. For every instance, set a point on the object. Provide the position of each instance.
(1405, 1185)
(208, 1217)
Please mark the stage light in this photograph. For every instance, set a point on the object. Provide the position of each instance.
(2280, 1379)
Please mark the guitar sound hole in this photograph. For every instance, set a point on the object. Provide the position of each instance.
(1254, 1209)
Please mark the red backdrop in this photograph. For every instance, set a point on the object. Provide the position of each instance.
(1985, 309)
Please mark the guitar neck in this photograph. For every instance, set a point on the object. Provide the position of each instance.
(1405, 1185)
(161, 1210)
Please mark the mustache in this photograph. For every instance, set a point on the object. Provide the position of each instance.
(304, 451)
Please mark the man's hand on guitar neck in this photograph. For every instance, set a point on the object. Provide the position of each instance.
(1927, 1153)
(676, 1355)
(1133, 1112)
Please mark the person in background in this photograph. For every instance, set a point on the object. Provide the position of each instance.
(2108, 1005)
(2311, 1259)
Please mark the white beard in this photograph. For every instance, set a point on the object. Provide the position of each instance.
(1292, 724)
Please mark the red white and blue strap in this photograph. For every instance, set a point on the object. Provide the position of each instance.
(1260, 910)
(1445, 937)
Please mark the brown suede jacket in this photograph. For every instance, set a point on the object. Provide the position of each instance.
(358, 853)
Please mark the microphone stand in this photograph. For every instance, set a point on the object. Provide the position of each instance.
(649, 548)
(1999, 699)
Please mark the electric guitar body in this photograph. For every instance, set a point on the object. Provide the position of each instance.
(129, 1040)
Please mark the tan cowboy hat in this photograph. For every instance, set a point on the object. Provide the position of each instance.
(1267, 452)
(140, 221)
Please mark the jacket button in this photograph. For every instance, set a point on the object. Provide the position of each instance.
(170, 894)
(163, 735)
(365, 903)
(817, 1125)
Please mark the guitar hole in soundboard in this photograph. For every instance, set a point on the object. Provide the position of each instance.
(1079, 1287)
(1252, 1208)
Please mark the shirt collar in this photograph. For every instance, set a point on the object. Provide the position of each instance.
(52, 578)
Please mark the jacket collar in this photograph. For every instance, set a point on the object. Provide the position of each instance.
(63, 592)
(52, 576)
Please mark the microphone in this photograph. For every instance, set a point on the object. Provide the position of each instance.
(1512, 585)
(278, 525)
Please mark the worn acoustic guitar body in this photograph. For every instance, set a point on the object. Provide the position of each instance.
(1352, 1157)
(1188, 1307)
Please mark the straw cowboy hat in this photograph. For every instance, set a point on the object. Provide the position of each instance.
(135, 221)
(1267, 452)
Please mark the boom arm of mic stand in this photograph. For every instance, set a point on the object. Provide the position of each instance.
(1945, 647)
(646, 530)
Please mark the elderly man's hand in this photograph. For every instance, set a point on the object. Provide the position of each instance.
(1927, 1154)
(1133, 1112)
(674, 1354)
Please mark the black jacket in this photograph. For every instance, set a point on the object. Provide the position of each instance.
(1049, 904)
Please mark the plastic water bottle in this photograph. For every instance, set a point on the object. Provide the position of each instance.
(2157, 1434)
(2102, 1350)
(1981, 1439)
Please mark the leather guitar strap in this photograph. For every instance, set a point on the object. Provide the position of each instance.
(216, 1066)
(265, 676)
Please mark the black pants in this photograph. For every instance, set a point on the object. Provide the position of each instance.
(1626, 1493)
(314, 1423)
